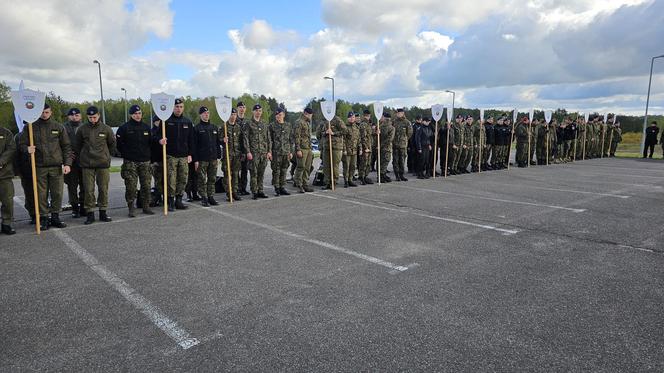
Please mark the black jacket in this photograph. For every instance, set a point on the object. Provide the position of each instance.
(490, 134)
(207, 142)
(651, 135)
(180, 135)
(503, 135)
(423, 137)
(133, 141)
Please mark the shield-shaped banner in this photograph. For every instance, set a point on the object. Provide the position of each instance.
(28, 104)
(585, 117)
(329, 109)
(481, 115)
(515, 115)
(437, 112)
(531, 115)
(162, 104)
(450, 114)
(224, 107)
(615, 116)
(378, 109)
(547, 115)
(606, 118)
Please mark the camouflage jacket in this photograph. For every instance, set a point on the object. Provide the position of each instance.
(386, 135)
(302, 134)
(352, 139)
(237, 140)
(366, 135)
(467, 135)
(403, 131)
(338, 128)
(282, 138)
(457, 134)
(258, 137)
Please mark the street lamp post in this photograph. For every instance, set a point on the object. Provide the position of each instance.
(101, 90)
(645, 119)
(125, 102)
(332, 79)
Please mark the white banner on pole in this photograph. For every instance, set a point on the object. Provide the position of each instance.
(515, 115)
(28, 105)
(329, 109)
(224, 107)
(437, 112)
(481, 115)
(450, 114)
(378, 109)
(548, 114)
(162, 104)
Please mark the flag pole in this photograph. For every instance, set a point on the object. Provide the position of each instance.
(164, 166)
(35, 194)
(228, 164)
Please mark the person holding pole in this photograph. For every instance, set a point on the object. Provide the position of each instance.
(259, 151)
(303, 153)
(179, 143)
(7, 155)
(205, 156)
(352, 149)
(331, 131)
(236, 146)
(52, 159)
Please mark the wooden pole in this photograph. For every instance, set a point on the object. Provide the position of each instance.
(329, 144)
(583, 154)
(610, 142)
(547, 142)
(228, 165)
(576, 139)
(164, 166)
(378, 155)
(530, 130)
(35, 194)
(435, 150)
(447, 146)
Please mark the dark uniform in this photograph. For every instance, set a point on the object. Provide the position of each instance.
(157, 162)
(489, 145)
(413, 156)
(93, 147)
(444, 151)
(651, 140)
(7, 155)
(424, 138)
(74, 179)
(52, 151)
(133, 140)
(205, 156)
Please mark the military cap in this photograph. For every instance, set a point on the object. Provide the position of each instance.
(74, 111)
(240, 104)
(203, 109)
(387, 115)
(279, 111)
(366, 112)
(233, 110)
(46, 106)
(92, 110)
(257, 106)
(308, 110)
(178, 101)
(134, 109)
(351, 114)
(400, 110)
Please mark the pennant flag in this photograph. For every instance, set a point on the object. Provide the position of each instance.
(329, 109)
(437, 112)
(585, 117)
(162, 104)
(224, 107)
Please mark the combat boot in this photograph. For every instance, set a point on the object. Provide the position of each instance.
(308, 189)
(403, 178)
(147, 210)
(179, 205)
(204, 202)
(7, 229)
(55, 221)
(368, 180)
(75, 212)
(90, 219)
(104, 217)
(351, 184)
(284, 192)
(212, 201)
(171, 204)
(132, 209)
(44, 223)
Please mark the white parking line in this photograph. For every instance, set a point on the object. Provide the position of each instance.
(566, 190)
(393, 267)
(625, 168)
(505, 232)
(163, 322)
(494, 199)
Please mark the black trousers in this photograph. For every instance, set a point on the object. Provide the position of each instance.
(648, 147)
(424, 161)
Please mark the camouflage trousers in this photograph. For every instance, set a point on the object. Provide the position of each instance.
(336, 159)
(132, 173)
(399, 161)
(303, 169)
(465, 157)
(7, 200)
(236, 166)
(349, 164)
(257, 167)
(385, 159)
(74, 181)
(158, 177)
(455, 157)
(101, 177)
(522, 153)
(364, 165)
(614, 147)
(206, 176)
(279, 164)
(49, 184)
(487, 154)
(178, 174)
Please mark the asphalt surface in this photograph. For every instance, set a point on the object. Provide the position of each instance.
(557, 268)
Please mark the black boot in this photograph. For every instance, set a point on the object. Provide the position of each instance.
(44, 223)
(254, 196)
(147, 210)
(179, 205)
(90, 219)
(55, 221)
(75, 212)
(236, 197)
(403, 178)
(212, 201)
(132, 209)
(345, 184)
(261, 194)
(33, 220)
(368, 180)
(284, 192)
(196, 197)
(104, 217)
(277, 192)
(397, 176)
(7, 229)
(385, 179)
(171, 204)
(190, 197)
(204, 202)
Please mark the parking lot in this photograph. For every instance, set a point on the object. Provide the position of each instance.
(543, 268)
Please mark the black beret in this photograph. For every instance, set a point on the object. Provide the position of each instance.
(178, 101)
(46, 106)
(459, 116)
(240, 104)
(386, 115)
(233, 110)
(426, 119)
(279, 111)
(357, 115)
(400, 110)
(308, 110)
(134, 109)
(351, 114)
(366, 112)
(419, 117)
(257, 106)
(92, 110)
(203, 109)
(73, 111)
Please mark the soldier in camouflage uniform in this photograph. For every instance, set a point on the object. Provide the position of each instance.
(479, 139)
(259, 152)
(351, 150)
(237, 148)
(456, 146)
(244, 163)
(616, 138)
(338, 131)
(74, 179)
(95, 142)
(386, 133)
(7, 155)
(542, 133)
(205, 156)
(281, 135)
(133, 140)
(366, 147)
(403, 131)
(303, 153)
(467, 146)
(53, 157)
(553, 141)
(522, 132)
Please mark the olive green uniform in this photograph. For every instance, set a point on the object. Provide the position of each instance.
(281, 135)
(366, 145)
(403, 131)
(339, 130)
(351, 148)
(237, 147)
(7, 154)
(93, 148)
(302, 140)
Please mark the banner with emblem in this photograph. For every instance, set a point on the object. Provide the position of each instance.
(450, 114)
(548, 114)
(162, 104)
(515, 115)
(585, 117)
(378, 109)
(224, 107)
(329, 109)
(531, 115)
(28, 105)
(437, 112)
(481, 115)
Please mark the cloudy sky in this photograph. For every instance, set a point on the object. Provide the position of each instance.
(577, 54)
